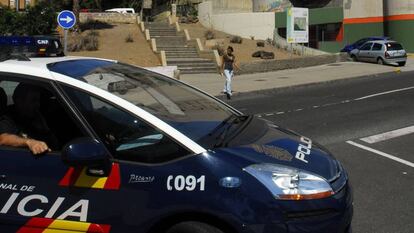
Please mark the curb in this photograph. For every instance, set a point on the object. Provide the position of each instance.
(305, 85)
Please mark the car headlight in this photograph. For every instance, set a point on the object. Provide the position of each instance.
(286, 183)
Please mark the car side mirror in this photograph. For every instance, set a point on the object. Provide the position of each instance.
(87, 152)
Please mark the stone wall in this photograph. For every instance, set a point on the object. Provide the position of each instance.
(109, 17)
(274, 65)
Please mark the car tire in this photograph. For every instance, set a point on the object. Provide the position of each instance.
(193, 227)
(401, 63)
(380, 61)
(354, 58)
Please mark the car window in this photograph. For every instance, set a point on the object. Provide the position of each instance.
(366, 47)
(43, 116)
(377, 47)
(126, 136)
(360, 42)
(393, 46)
(189, 111)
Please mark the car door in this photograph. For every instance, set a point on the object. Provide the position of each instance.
(145, 156)
(40, 192)
(377, 51)
(364, 52)
(43, 192)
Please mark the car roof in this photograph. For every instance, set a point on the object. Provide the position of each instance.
(37, 66)
(378, 37)
(381, 41)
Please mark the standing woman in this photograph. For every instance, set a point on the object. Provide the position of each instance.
(227, 68)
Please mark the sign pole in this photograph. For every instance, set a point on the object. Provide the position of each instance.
(66, 20)
(65, 41)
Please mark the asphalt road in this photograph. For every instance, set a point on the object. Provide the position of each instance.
(368, 124)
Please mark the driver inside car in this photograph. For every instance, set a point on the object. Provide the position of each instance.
(22, 124)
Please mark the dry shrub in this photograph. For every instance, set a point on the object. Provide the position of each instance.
(129, 38)
(219, 48)
(209, 35)
(236, 40)
(89, 42)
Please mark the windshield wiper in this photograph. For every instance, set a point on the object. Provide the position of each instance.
(230, 121)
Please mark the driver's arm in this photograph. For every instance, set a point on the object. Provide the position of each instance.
(35, 146)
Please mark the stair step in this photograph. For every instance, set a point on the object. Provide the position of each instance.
(181, 52)
(197, 71)
(162, 30)
(187, 66)
(179, 55)
(186, 56)
(163, 33)
(185, 60)
(177, 48)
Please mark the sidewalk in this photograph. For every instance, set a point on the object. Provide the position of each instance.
(213, 83)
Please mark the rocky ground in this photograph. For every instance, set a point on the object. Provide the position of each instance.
(112, 45)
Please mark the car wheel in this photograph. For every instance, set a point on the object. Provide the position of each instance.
(354, 58)
(380, 61)
(193, 227)
(401, 63)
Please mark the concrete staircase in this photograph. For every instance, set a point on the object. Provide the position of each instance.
(177, 51)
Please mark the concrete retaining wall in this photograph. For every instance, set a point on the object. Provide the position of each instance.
(296, 48)
(274, 65)
(363, 9)
(246, 25)
(109, 17)
(399, 7)
(227, 6)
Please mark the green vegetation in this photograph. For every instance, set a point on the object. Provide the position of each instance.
(36, 20)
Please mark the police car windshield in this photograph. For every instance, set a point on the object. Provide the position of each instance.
(186, 109)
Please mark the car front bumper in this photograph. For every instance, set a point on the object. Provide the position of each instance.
(333, 215)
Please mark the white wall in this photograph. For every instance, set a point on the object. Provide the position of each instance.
(399, 7)
(205, 11)
(363, 8)
(259, 25)
(225, 6)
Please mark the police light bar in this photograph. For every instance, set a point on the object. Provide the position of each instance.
(31, 45)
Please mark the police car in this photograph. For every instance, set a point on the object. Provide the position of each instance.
(142, 152)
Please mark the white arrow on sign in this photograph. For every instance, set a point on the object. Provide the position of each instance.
(67, 19)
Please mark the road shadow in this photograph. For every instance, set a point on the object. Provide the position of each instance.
(95, 25)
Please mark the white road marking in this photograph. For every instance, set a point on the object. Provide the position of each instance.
(408, 163)
(346, 101)
(388, 135)
(385, 93)
(269, 114)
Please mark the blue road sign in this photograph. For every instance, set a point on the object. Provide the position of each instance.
(66, 19)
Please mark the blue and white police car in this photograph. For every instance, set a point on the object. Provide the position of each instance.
(139, 152)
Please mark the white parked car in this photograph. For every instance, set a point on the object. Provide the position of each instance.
(381, 52)
(121, 10)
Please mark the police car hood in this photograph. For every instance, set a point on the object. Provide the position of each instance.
(263, 142)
